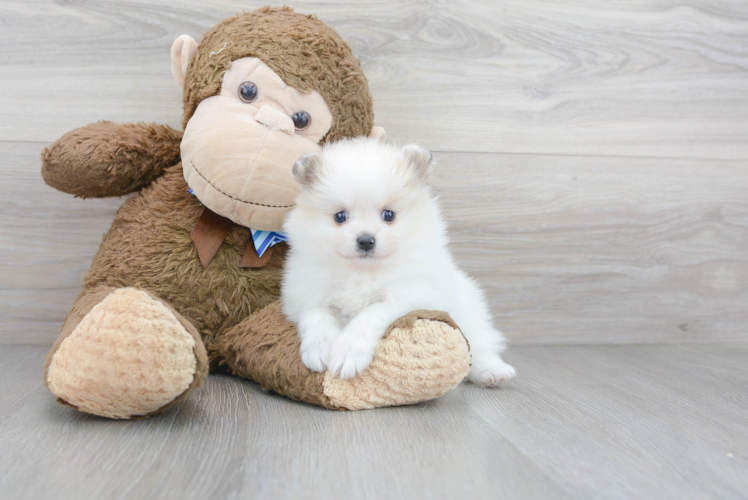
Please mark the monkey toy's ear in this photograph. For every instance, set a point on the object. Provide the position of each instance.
(308, 169)
(183, 50)
(378, 133)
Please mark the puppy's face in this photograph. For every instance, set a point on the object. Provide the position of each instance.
(361, 201)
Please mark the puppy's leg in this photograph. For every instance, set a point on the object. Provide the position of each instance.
(486, 366)
(317, 330)
(486, 343)
(352, 351)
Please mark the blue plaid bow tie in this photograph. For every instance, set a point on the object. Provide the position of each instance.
(211, 229)
(266, 239)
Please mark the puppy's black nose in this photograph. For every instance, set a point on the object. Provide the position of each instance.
(366, 242)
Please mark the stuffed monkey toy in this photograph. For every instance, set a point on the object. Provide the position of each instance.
(180, 285)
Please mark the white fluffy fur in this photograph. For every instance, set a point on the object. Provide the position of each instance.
(342, 299)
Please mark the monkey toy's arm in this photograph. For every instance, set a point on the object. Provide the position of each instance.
(109, 159)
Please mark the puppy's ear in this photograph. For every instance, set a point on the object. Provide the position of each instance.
(379, 134)
(307, 170)
(419, 160)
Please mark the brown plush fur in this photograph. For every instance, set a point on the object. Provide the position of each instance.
(301, 49)
(149, 247)
(266, 349)
(109, 159)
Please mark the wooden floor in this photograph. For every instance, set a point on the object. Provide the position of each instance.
(598, 422)
(593, 166)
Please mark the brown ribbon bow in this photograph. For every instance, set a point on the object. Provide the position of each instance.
(210, 231)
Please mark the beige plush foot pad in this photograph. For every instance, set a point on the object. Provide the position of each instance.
(418, 360)
(129, 356)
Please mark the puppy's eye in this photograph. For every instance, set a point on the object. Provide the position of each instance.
(341, 217)
(248, 92)
(388, 215)
(301, 120)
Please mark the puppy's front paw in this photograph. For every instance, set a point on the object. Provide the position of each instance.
(349, 356)
(315, 351)
(490, 372)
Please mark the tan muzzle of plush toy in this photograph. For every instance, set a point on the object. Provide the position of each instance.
(239, 148)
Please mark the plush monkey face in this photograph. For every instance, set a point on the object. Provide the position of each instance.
(240, 145)
(261, 90)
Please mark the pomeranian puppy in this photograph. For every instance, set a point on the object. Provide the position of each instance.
(369, 245)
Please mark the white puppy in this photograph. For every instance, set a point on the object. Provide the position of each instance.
(369, 245)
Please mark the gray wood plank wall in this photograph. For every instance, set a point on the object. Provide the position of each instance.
(593, 157)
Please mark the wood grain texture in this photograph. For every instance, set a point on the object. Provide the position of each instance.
(646, 78)
(47, 241)
(569, 249)
(579, 422)
(595, 249)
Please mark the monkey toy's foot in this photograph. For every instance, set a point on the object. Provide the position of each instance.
(131, 355)
(422, 356)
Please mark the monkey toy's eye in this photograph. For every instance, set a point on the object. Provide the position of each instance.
(248, 92)
(341, 217)
(301, 120)
(388, 215)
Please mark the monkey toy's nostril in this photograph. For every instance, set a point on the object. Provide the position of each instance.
(275, 119)
(366, 242)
